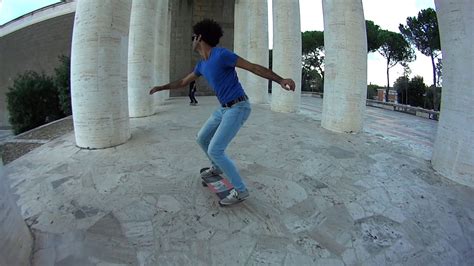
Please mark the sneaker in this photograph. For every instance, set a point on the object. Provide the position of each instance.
(234, 197)
(212, 171)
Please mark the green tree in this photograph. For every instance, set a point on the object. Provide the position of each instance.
(372, 91)
(439, 72)
(401, 86)
(313, 59)
(417, 91)
(433, 98)
(373, 31)
(32, 101)
(395, 49)
(62, 82)
(411, 92)
(312, 80)
(423, 33)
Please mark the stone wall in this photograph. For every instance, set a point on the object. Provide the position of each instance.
(35, 47)
(185, 13)
(16, 242)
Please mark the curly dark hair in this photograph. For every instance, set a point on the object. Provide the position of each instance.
(210, 31)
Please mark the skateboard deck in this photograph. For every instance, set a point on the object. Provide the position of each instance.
(217, 184)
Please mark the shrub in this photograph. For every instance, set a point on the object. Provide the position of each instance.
(372, 91)
(62, 82)
(412, 91)
(32, 101)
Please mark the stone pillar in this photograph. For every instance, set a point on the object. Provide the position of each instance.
(345, 80)
(140, 57)
(453, 153)
(162, 49)
(161, 55)
(257, 18)
(16, 244)
(241, 40)
(99, 73)
(286, 54)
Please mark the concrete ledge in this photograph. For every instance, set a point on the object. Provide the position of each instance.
(429, 114)
(417, 111)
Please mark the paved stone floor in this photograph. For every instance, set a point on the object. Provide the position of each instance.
(5, 134)
(317, 197)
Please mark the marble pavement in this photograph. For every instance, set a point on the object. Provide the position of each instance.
(317, 197)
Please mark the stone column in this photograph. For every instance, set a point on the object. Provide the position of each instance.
(99, 73)
(286, 53)
(257, 18)
(345, 80)
(453, 153)
(162, 49)
(140, 57)
(16, 244)
(241, 39)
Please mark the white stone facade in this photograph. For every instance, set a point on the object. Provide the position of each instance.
(99, 70)
(241, 36)
(99, 73)
(141, 57)
(345, 80)
(161, 67)
(453, 154)
(286, 53)
(257, 48)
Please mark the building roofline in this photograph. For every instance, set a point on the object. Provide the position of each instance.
(36, 16)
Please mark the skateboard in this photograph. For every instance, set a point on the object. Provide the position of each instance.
(217, 184)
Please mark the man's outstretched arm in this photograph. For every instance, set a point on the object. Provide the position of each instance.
(175, 84)
(287, 84)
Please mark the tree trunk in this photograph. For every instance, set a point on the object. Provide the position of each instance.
(434, 81)
(434, 69)
(388, 82)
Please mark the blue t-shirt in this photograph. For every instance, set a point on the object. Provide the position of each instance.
(219, 71)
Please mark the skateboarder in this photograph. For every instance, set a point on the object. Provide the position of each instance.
(192, 91)
(217, 65)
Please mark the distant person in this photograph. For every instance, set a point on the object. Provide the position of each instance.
(192, 91)
(218, 67)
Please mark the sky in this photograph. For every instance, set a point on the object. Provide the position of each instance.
(10, 9)
(388, 14)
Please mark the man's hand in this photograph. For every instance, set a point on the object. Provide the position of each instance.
(288, 84)
(156, 89)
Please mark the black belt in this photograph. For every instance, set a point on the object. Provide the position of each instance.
(238, 100)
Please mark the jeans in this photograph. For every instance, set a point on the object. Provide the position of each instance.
(191, 97)
(216, 134)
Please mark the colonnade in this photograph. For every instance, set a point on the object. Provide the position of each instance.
(453, 151)
(120, 48)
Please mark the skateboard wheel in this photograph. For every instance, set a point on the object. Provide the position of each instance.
(203, 184)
